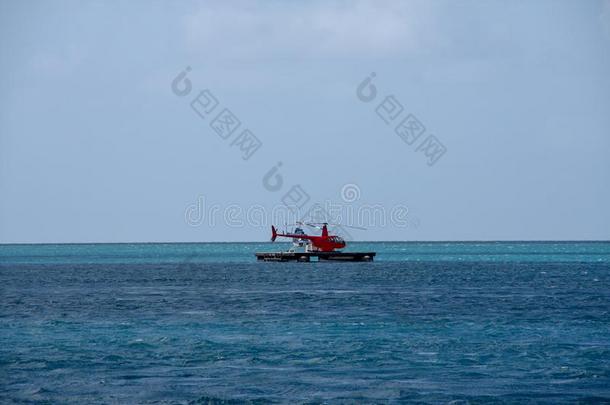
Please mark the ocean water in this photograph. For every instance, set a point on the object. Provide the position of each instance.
(434, 323)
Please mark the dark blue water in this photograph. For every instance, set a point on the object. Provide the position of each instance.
(205, 323)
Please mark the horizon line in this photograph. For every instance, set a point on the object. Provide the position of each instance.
(280, 242)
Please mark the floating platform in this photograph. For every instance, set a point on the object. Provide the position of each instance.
(320, 256)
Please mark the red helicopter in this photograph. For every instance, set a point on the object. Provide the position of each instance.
(322, 243)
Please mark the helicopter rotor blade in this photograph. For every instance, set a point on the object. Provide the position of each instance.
(350, 226)
(316, 225)
(313, 225)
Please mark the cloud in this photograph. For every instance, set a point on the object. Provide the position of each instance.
(292, 29)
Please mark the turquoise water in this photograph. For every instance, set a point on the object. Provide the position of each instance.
(244, 252)
(513, 322)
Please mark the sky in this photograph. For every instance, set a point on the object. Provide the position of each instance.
(102, 140)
